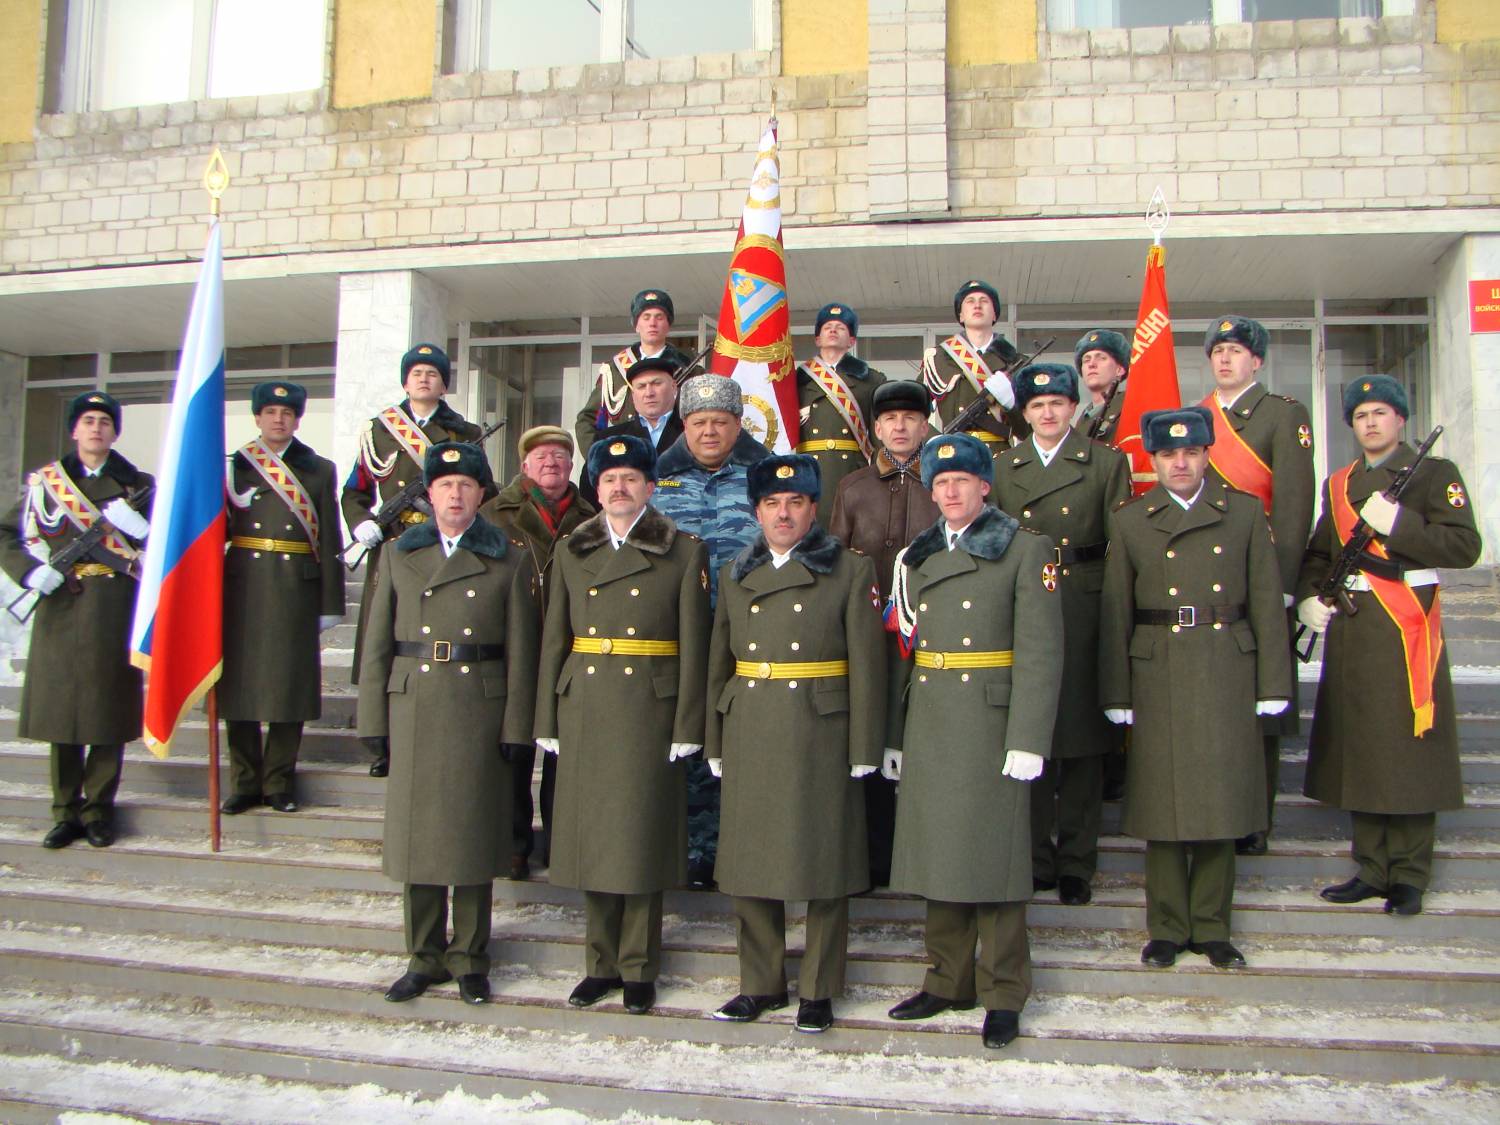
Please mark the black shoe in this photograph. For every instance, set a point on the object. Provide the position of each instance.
(1253, 844)
(63, 833)
(1402, 899)
(474, 988)
(743, 1009)
(814, 1016)
(380, 766)
(1073, 891)
(1161, 953)
(1354, 890)
(591, 990)
(925, 1005)
(240, 802)
(701, 875)
(282, 802)
(1040, 885)
(101, 833)
(520, 869)
(412, 985)
(1220, 954)
(1000, 1028)
(640, 996)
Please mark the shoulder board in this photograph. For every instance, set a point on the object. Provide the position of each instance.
(855, 551)
(521, 543)
(688, 535)
(1241, 492)
(1125, 503)
(1287, 398)
(1029, 530)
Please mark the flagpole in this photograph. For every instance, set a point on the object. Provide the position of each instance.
(215, 180)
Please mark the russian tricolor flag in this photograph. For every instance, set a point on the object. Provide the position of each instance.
(178, 635)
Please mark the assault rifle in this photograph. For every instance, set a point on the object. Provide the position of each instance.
(1332, 590)
(970, 415)
(1098, 423)
(80, 550)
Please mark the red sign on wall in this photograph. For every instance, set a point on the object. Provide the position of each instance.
(1484, 306)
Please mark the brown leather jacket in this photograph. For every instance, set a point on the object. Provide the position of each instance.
(879, 510)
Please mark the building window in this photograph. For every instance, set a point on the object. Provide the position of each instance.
(511, 34)
(1070, 15)
(119, 53)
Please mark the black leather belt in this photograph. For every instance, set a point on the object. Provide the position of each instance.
(1067, 556)
(443, 651)
(1189, 615)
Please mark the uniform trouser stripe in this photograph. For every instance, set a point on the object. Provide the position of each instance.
(83, 788)
(1189, 889)
(427, 945)
(760, 935)
(622, 935)
(1394, 848)
(996, 932)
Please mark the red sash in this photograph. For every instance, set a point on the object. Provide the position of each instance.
(1421, 633)
(1234, 460)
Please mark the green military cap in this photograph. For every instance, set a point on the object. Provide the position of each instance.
(1162, 430)
(277, 392)
(1046, 379)
(1111, 343)
(1250, 334)
(956, 453)
(1375, 388)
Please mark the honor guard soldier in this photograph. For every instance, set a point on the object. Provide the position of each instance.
(653, 398)
(879, 510)
(1102, 358)
(797, 671)
(81, 689)
(449, 677)
(976, 596)
(1063, 485)
(1193, 648)
(539, 508)
(627, 638)
(834, 393)
(959, 368)
(283, 585)
(1263, 447)
(610, 402)
(703, 487)
(1385, 733)
(392, 449)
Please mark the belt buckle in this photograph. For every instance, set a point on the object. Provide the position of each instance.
(1057, 555)
(1187, 616)
(442, 651)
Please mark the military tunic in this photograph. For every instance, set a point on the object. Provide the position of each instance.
(953, 391)
(1112, 408)
(588, 423)
(825, 435)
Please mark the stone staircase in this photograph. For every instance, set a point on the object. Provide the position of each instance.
(157, 980)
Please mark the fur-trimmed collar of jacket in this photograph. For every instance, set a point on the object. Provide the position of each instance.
(298, 457)
(652, 533)
(677, 459)
(818, 551)
(450, 419)
(988, 537)
(115, 467)
(850, 367)
(482, 537)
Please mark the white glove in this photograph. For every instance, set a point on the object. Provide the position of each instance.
(1120, 716)
(1287, 601)
(890, 769)
(1271, 706)
(126, 519)
(547, 744)
(716, 766)
(1314, 614)
(1380, 513)
(999, 385)
(44, 579)
(369, 534)
(1022, 765)
(683, 750)
(327, 621)
(862, 771)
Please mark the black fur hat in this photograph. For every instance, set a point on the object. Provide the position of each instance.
(1177, 429)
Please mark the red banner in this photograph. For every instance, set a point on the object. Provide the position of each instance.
(1484, 306)
(1152, 384)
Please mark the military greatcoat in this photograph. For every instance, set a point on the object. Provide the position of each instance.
(793, 820)
(1364, 755)
(952, 390)
(448, 798)
(822, 429)
(963, 829)
(1195, 767)
(80, 686)
(620, 818)
(1069, 501)
(273, 599)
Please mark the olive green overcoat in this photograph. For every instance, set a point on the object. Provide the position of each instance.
(619, 821)
(1196, 766)
(1069, 501)
(963, 829)
(448, 797)
(792, 820)
(821, 422)
(272, 599)
(1364, 754)
(513, 510)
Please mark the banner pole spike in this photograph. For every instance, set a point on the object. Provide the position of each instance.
(215, 181)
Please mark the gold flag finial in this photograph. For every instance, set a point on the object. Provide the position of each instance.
(215, 180)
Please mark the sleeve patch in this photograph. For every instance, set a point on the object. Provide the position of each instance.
(1456, 495)
(1049, 577)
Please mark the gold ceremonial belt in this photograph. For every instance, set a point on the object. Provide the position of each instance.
(624, 646)
(281, 546)
(987, 437)
(811, 670)
(1002, 658)
(92, 570)
(411, 515)
(820, 445)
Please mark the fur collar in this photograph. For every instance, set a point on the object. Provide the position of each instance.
(988, 537)
(483, 538)
(652, 533)
(115, 466)
(445, 416)
(818, 551)
(850, 367)
(677, 459)
(298, 457)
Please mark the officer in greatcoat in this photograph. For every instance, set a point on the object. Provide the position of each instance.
(81, 690)
(797, 673)
(835, 390)
(1063, 485)
(283, 585)
(620, 700)
(654, 417)
(960, 366)
(1193, 649)
(1385, 732)
(449, 677)
(976, 603)
(1102, 360)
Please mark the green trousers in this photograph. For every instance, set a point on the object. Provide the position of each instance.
(1189, 889)
(622, 935)
(1394, 848)
(268, 770)
(1067, 801)
(760, 934)
(83, 788)
(430, 951)
(1272, 744)
(995, 933)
